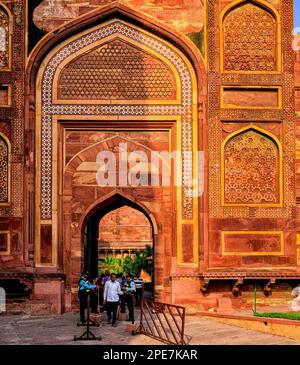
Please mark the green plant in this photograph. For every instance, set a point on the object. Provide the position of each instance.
(295, 316)
(112, 264)
(143, 260)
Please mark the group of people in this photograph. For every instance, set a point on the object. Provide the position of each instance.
(109, 291)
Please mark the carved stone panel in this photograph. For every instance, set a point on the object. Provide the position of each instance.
(249, 39)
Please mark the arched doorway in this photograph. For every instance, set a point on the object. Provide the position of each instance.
(121, 229)
(159, 114)
(125, 239)
(120, 238)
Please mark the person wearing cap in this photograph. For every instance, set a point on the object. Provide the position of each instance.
(84, 288)
(130, 291)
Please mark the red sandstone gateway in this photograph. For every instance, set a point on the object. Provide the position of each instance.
(79, 80)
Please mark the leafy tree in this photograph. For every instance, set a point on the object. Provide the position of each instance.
(143, 260)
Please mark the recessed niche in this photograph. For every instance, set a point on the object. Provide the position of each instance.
(251, 98)
(5, 95)
(4, 243)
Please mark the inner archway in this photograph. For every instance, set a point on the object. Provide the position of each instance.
(125, 244)
(119, 237)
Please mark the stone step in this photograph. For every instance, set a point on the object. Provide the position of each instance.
(30, 307)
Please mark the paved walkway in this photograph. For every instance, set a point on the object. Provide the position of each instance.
(59, 330)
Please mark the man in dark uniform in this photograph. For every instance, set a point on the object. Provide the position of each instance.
(130, 293)
(84, 288)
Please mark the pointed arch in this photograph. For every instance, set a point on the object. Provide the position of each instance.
(6, 25)
(266, 5)
(73, 82)
(87, 30)
(45, 85)
(148, 33)
(76, 160)
(90, 219)
(277, 37)
(274, 190)
(104, 203)
(5, 169)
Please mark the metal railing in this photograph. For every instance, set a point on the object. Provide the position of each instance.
(162, 321)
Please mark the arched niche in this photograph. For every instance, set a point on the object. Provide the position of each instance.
(251, 168)
(250, 37)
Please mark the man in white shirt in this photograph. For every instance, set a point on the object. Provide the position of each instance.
(111, 297)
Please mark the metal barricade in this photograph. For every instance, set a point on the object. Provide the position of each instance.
(162, 321)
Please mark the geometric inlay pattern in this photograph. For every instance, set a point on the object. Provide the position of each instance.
(117, 70)
(217, 116)
(251, 169)
(249, 39)
(184, 109)
(13, 26)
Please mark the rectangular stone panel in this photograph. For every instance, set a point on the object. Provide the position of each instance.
(254, 243)
(233, 97)
(5, 95)
(46, 244)
(4, 243)
(187, 243)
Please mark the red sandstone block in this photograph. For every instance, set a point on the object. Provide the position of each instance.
(52, 292)
(224, 305)
(133, 327)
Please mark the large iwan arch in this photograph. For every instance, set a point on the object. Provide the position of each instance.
(66, 125)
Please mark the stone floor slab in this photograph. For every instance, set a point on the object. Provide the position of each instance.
(60, 330)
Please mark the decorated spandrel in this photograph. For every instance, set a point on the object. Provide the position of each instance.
(186, 17)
